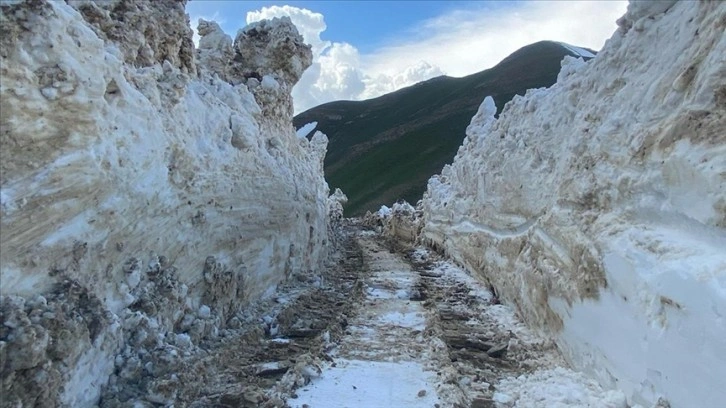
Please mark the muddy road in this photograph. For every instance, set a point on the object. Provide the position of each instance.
(384, 325)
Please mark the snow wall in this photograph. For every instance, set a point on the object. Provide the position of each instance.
(147, 188)
(597, 207)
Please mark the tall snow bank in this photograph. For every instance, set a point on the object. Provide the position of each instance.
(146, 190)
(598, 207)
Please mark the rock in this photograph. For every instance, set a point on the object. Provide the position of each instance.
(301, 333)
(482, 402)
(662, 403)
(498, 351)
(272, 369)
(462, 340)
(232, 400)
(450, 314)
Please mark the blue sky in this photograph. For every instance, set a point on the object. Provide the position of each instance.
(363, 49)
(368, 24)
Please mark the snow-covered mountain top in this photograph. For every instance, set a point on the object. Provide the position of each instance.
(577, 50)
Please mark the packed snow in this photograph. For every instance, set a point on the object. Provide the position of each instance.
(597, 206)
(555, 388)
(137, 173)
(370, 384)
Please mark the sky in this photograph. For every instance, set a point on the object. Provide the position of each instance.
(364, 49)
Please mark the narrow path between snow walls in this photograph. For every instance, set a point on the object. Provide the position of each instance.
(427, 334)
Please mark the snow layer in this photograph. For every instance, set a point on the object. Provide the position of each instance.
(146, 177)
(370, 384)
(554, 388)
(597, 207)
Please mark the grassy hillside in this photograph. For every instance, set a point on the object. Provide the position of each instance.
(385, 149)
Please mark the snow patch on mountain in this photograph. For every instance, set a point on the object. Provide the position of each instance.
(577, 50)
(597, 207)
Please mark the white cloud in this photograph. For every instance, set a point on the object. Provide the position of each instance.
(467, 41)
(384, 83)
(335, 73)
(458, 43)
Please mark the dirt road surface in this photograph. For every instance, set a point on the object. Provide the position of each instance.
(384, 325)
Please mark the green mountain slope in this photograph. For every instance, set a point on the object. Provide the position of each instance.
(386, 148)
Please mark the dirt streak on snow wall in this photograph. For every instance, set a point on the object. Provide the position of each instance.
(145, 190)
(597, 207)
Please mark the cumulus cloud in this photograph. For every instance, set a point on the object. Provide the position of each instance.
(335, 73)
(463, 42)
(457, 43)
(380, 83)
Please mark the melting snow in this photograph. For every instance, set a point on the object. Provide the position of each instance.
(412, 319)
(555, 388)
(370, 384)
